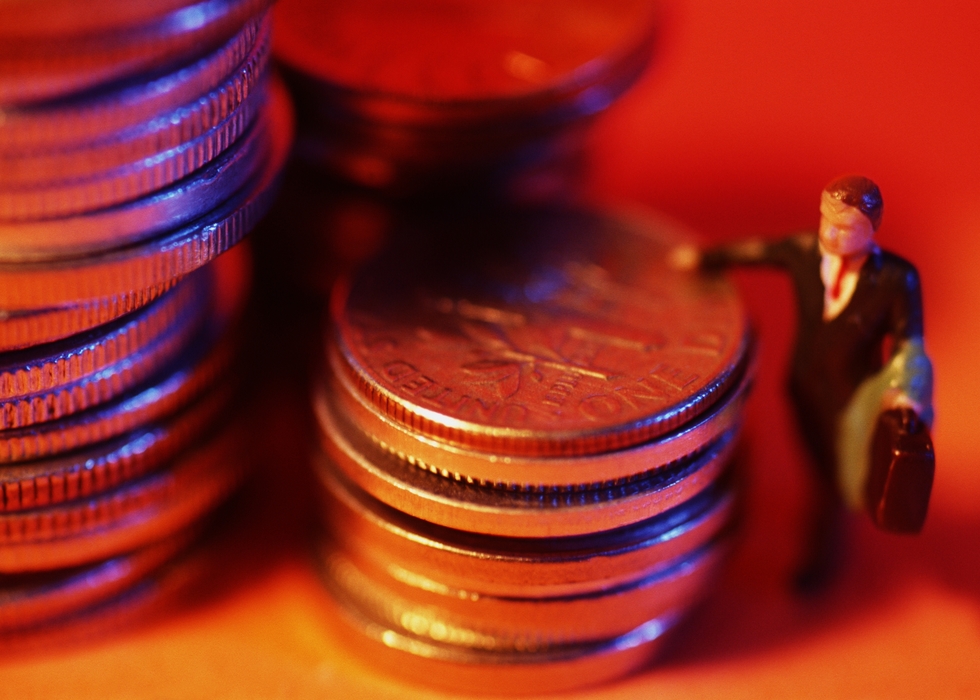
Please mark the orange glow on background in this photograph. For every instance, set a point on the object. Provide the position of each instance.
(749, 110)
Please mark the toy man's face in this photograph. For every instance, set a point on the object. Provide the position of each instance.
(844, 230)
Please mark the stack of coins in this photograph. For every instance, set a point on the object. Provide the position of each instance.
(138, 142)
(411, 97)
(526, 421)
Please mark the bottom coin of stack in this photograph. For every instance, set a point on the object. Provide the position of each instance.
(113, 448)
(526, 434)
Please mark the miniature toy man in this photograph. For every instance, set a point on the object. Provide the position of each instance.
(858, 353)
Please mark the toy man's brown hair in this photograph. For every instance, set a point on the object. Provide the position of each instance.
(859, 192)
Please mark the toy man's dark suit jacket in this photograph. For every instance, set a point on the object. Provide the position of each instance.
(831, 358)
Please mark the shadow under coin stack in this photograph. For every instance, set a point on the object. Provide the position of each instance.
(138, 142)
(447, 95)
(526, 424)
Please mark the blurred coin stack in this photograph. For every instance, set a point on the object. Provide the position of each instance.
(138, 142)
(453, 94)
(526, 423)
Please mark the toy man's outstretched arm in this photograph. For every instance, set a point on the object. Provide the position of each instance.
(751, 251)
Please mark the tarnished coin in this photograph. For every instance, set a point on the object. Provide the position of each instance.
(29, 600)
(135, 515)
(383, 538)
(539, 333)
(132, 276)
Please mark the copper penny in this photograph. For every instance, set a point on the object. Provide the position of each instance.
(538, 333)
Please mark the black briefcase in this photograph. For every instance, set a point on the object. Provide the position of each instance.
(903, 464)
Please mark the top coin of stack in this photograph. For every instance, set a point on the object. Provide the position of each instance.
(527, 421)
(425, 96)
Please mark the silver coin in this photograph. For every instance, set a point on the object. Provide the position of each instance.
(382, 537)
(84, 473)
(195, 371)
(545, 513)
(520, 472)
(541, 332)
(49, 385)
(431, 652)
(427, 658)
(531, 620)
(132, 276)
(92, 168)
(50, 366)
(140, 513)
(180, 185)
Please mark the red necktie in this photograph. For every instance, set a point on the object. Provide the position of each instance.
(838, 278)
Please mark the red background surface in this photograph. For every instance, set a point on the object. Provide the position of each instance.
(750, 109)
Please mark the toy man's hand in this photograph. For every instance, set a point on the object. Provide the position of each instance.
(684, 258)
(899, 399)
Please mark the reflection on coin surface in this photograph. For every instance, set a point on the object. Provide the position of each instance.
(200, 128)
(519, 472)
(375, 533)
(144, 106)
(546, 512)
(83, 473)
(542, 333)
(533, 618)
(51, 366)
(132, 276)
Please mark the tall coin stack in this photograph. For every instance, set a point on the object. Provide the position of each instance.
(526, 422)
(138, 142)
